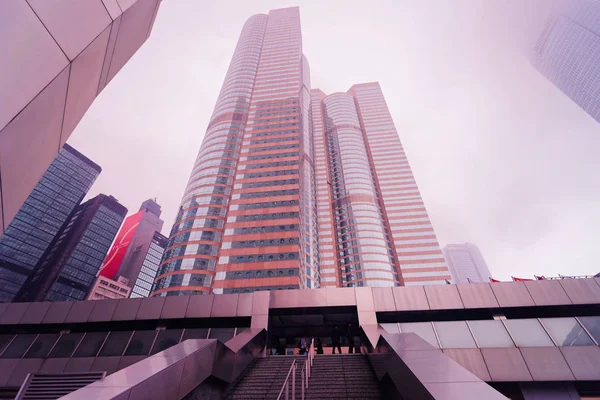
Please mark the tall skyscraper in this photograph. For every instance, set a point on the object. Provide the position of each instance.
(296, 189)
(466, 263)
(62, 187)
(128, 253)
(63, 54)
(142, 287)
(568, 54)
(68, 268)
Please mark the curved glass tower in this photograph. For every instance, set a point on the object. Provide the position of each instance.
(293, 188)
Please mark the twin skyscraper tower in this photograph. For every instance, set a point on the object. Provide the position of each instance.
(293, 188)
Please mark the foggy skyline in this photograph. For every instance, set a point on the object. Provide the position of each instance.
(502, 158)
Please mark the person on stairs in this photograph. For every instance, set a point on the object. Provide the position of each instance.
(350, 338)
(319, 346)
(335, 340)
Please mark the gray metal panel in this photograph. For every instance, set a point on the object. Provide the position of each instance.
(299, 298)
(23, 367)
(58, 312)
(443, 297)
(410, 298)
(163, 385)
(260, 302)
(108, 364)
(150, 308)
(80, 311)
(260, 321)
(225, 305)
(53, 365)
(200, 306)
(547, 292)
(547, 364)
(175, 307)
(3, 306)
(35, 313)
(127, 309)
(244, 307)
(80, 364)
(126, 361)
(581, 291)
(584, 361)
(340, 297)
(367, 318)
(13, 313)
(103, 310)
(472, 360)
(383, 298)
(512, 294)
(364, 299)
(505, 365)
(477, 295)
(6, 364)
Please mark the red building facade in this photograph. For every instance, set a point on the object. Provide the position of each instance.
(296, 189)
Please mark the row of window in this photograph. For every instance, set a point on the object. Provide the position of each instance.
(263, 257)
(104, 344)
(262, 243)
(570, 331)
(264, 229)
(265, 217)
(272, 156)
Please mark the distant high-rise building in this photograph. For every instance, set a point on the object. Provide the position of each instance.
(568, 54)
(296, 189)
(105, 288)
(62, 55)
(69, 267)
(43, 214)
(128, 253)
(466, 263)
(145, 279)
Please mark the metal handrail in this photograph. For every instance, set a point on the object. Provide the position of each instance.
(287, 381)
(304, 375)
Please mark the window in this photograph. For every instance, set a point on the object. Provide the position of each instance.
(140, 343)
(423, 329)
(42, 345)
(195, 333)
(66, 345)
(454, 334)
(19, 346)
(490, 334)
(592, 324)
(90, 344)
(115, 344)
(222, 334)
(566, 332)
(166, 338)
(528, 333)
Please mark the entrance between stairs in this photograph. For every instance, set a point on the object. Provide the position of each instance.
(288, 326)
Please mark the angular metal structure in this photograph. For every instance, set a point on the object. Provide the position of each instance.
(57, 57)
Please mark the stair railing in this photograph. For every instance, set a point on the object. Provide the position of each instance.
(304, 375)
(286, 385)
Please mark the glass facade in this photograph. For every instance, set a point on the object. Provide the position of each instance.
(145, 279)
(68, 269)
(290, 179)
(568, 54)
(529, 332)
(42, 216)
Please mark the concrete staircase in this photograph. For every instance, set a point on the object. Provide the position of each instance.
(347, 376)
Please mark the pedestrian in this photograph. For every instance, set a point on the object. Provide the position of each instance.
(335, 339)
(350, 337)
(319, 346)
(303, 346)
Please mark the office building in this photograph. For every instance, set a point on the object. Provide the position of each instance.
(69, 267)
(42, 216)
(509, 340)
(143, 284)
(568, 54)
(62, 55)
(104, 289)
(295, 189)
(130, 249)
(466, 263)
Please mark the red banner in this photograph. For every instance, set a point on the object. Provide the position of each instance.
(521, 279)
(114, 258)
(494, 280)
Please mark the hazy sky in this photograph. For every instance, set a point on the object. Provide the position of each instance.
(503, 159)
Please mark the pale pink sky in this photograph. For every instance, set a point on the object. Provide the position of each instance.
(503, 159)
